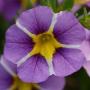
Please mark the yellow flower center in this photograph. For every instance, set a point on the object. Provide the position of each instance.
(81, 1)
(20, 85)
(45, 45)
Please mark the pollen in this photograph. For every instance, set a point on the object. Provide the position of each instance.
(45, 45)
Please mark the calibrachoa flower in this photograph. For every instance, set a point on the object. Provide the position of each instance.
(85, 47)
(9, 8)
(42, 43)
(53, 83)
(10, 81)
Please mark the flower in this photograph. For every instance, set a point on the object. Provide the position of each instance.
(42, 43)
(10, 81)
(85, 47)
(9, 8)
(53, 83)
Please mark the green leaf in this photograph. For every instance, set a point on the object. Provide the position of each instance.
(50, 3)
(68, 4)
(43, 2)
(53, 4)
(85, 21)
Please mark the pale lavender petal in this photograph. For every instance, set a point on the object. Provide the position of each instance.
(75, 8)
(37, 20)
(67, 61)
(53, 83)
(88, 4)
(85, 46)
(18, 44)
(87, 67)
(68, 30)
(35, 69)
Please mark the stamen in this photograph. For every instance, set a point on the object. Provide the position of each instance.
(7, 68)
(24, 29)
(45, 38)
(20, 62)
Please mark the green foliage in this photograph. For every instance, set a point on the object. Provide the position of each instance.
(85, 19)
(68, 4)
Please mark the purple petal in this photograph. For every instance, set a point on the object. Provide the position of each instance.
(75, 8)
(5, 78)
(37, 20)
(10, 8)
(68, 30)
(87, 67)
(18, 44)
(5, 83)
(3, 72)
(88, 4)
(85, 46)
(35, 69)
(67, 61)
(53, 83)
(1, 5)
(12, 66)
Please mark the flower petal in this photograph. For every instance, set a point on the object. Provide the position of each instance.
(35, 69)
(67, 61)
(1, 5)
(53, 83)
(68, 30)
(87, 67)
(18, 44)
(36, 20)
(10, 8)
(85, 46)
(5, 79)
(5, 83)
(88, 4)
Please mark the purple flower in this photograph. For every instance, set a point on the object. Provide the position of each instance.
(9, 80)
(42, 43)
(1, 5)
(85, 47)
(9, 8)
(53, 83)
